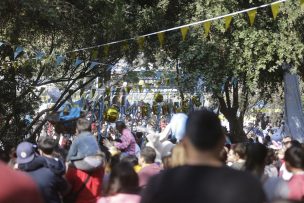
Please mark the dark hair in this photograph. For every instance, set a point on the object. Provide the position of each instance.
(271, 157)
(295, 157)
(204, 130)
(126, 176)
(256, 155)
(83, 125)
(131, 159)
(223, 156)
(120, 125)
(295, 143)
(240, 150)
(148, 154)
(47, 144)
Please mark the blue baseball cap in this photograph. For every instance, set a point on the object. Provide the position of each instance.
(25, 152)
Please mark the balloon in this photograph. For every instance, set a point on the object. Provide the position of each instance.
(158, 98)
(111, 114)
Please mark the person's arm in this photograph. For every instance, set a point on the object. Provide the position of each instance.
(125, 142)
(163, 136)
(73, 150)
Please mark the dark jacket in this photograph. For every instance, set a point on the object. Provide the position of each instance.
(48, 182)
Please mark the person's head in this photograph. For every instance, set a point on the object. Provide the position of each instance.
(204, 131)
(271, 157)
(147, 156)
(120, 125)
(131, 159)
(83, 125)
(294, 158)
(238, 151)
(25, 152)
(46, 145)
(256, 158)
(123, 179)
(267, 140)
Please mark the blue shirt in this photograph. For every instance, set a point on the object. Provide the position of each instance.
(83, 146)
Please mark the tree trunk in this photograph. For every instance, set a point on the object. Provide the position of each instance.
(229, 107)
(237, 133)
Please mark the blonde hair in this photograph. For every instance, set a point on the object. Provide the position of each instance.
(178, 157)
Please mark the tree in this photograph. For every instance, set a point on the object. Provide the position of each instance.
(234, 64)
(46, 30)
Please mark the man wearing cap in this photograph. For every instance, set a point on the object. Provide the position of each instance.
(34, 165)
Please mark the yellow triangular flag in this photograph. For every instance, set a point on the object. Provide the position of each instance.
(184, 31)
(125, 46)
(106, 50)
(141, 42)
(228, 20)
(251, 15)
(275, 8)
(94, 54)
(302, 4)
(207, 26)
(161, 38)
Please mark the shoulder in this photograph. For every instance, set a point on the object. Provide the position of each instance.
(15, 182)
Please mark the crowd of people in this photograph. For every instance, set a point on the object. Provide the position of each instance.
(189, 160)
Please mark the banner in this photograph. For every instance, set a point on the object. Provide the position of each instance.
(184, 31)
(207, 26)
(94, 55)
(141, 42)
(228, 20)
(106, 49)
(161, 38)
(275, 8)
(251, 15)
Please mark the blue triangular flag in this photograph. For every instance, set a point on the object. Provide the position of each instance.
(109, 67)
(93, 64)
(59, 60)
(78, 62)
(17, 52)
(158, 75)
(40, 55)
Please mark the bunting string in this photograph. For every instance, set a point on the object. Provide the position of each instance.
(250, 11)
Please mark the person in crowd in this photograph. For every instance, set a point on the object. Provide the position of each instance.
(166, 161)
(175, 130)
(162, 124)
(274, 187)
(50, 184)
(17, 187)
(271, 169)
(46, 146)
(203, 178)
(13, 156)
(287, 143)
(294, 160)
(123, 185)
(148, 166)
(178, 157)
(128, 144)
(237, 155)
(85, 173)
(133, 160)
(224, 155)
(84, 152)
